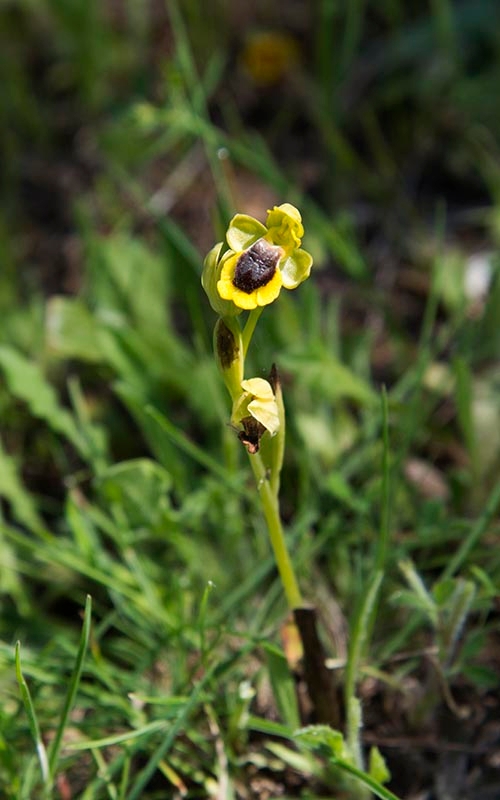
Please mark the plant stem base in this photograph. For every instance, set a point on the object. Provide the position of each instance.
(318, 678)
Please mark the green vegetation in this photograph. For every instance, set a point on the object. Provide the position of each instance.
(144, 644)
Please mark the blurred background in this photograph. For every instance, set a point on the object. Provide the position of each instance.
(384, 115)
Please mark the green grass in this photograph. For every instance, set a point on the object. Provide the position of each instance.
(120, 478)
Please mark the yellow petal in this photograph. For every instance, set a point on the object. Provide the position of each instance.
(258, 387)
(267, 294)
(243, 231)
(266, 412)
(243, 300)
(210, 277)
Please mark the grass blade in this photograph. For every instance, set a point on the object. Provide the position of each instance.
(119, 738)
(33, 720)
(147, 773)
(475, 533)
(364, 620)
(213, 673)
(73, 687)
(321, 738)
(370, 783)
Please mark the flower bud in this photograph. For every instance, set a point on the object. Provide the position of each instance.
(212, 267)
(228, 349)
(258, 401)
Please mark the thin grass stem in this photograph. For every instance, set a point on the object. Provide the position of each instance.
(475, 533)
(364, 621)
(33, 720)
(73, 687)
(365, 779)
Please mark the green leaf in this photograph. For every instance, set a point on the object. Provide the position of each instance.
(94, 435)
(27, 382)
(139, 488)
(405, 598)
(269, 727)
(443, 590)
(82, 528)
(11, 584)
(377, 766)
(483, 677)
(168, 442)
(72, 688)
(475, 533)
(489, 588)
(144, 776)
(422, 597)
(72, 331)
(450, 279)
(119, 738)
(283, 686)
(329, 378)
(303, 763)
(464, 395)
(130, 279)
(11, 488)
(324, 440)
(321, 737)
(32, 719)
(453, 613)
(337, 485)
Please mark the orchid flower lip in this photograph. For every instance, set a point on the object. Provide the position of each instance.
(256, 266)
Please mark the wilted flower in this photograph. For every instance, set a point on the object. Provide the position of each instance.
(256, 411)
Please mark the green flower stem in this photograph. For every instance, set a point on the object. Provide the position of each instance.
(270, 507)
(249, 328)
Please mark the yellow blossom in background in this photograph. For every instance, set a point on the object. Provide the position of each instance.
(268, 56)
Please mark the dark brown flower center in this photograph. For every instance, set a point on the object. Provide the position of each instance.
(256, 266)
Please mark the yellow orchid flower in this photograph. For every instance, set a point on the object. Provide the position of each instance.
(261, 260)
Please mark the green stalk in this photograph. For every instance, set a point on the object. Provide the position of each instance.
(267, 477)
(270, 507)
(249, 328)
